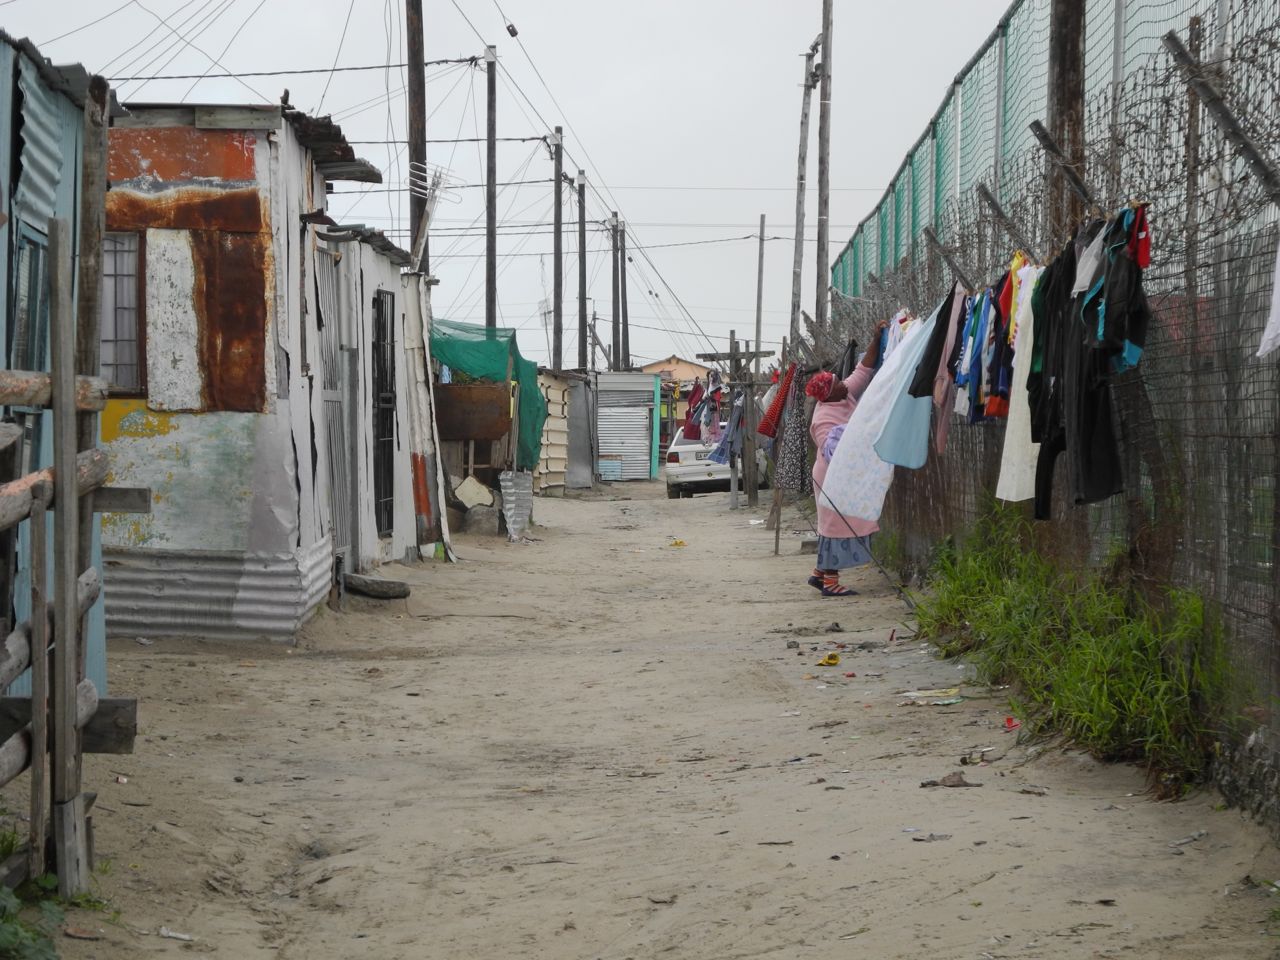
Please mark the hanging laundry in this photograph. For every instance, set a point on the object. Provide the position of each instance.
(692, 427)
(773, 415)
(731, 440)
(833, 523)
(999, 368)
(1114, 309)
(944, 384)
(1018, 456)
(857, 479)
(1071, 394)
(792, 472)
(1271, 333)
(904, 438)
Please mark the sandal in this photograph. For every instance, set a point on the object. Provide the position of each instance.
(815, 582)
(839, 590)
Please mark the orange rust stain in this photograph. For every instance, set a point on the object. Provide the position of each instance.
(421, 494)
(230, 298)
(186, 208)
(176, 154)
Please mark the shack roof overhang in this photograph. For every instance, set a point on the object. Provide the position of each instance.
(71, 79)
(376, 239)
(330, 152)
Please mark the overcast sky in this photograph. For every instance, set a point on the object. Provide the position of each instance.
(684, 114)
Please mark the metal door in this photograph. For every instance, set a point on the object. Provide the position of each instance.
(627, 432)
(334, 394)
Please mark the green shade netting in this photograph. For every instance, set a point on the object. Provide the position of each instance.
(484, 354)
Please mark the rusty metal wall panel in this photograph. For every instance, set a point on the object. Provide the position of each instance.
(473, 411)
(224, 595)
(231, 299)
(42, 152)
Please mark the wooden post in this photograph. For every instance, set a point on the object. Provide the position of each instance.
(615, 348)
(39, 679)
(824, 171)
(585, 353)
(622, 295)
(751, 415)
(69, 827)
(1065, 112)
(797, 259)
(416, 101)
(88, 344)
(734, 374)
(491, 193)
(557, 255)
(1191, 278)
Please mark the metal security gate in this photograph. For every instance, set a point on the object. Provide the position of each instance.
(384, 411)
(336, 384)
(626, 433)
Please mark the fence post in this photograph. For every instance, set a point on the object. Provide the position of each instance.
(1065, 111)
(70, 840)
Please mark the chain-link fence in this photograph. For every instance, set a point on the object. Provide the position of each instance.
(1200, 416)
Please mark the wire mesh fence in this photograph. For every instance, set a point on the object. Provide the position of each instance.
(1200, 416)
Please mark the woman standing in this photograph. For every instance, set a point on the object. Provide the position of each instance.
(842, 541)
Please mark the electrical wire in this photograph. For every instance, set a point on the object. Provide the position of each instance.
(91, 23)
(244, 24)
(174, 48)
(341, 40)
(198, 50)
(302, 71)
(190, 17)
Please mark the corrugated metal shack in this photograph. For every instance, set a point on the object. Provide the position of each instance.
(42, 117)
(568, 436)
(627, 425)
(258, 357)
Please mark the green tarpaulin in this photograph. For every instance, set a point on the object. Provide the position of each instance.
(489, 355)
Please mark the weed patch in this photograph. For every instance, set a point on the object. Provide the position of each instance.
(1121, 677)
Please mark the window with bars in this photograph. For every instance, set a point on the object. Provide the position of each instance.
(384, 411)
(123, 341)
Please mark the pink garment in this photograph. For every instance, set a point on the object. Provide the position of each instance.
(827, 416)
(944, 384)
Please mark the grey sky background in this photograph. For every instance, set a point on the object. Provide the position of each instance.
(684, 114)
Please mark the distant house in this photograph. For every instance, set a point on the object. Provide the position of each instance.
(268, 375)
(677, 368)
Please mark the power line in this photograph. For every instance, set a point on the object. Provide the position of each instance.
(244, 23)
(459, 186)
(63, 36)
(333, 69)
(290, 73)
(454, 140)
(198, 50)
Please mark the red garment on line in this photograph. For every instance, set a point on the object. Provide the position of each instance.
(769, 425)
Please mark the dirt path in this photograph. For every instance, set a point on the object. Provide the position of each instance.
(599, 746)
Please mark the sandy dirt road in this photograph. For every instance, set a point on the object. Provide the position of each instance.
(598, 745)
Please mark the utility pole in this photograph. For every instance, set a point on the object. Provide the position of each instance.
(557, 256)
(491, 195)
(750, 412)
(797, 263)
(583, 346)
(416, 88)
(824, 170)
(616, 351)
(622, 288)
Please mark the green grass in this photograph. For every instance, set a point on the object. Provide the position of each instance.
(1121, 677)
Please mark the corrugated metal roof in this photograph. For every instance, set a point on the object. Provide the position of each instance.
(330, 152)
(71, 79)
(42, 153)
(374, 238)
(152, 593)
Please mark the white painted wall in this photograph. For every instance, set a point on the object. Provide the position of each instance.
(175, 380)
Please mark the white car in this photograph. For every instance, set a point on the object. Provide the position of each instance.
(690, 468)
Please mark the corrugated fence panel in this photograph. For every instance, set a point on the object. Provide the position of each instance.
(224, 595)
